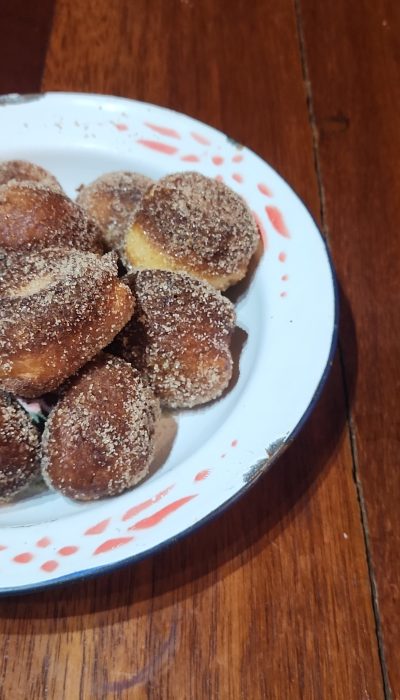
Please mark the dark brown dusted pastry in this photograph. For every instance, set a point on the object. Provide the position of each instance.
(58, 308)
(19, 448)
(22, 170)
(33, 215)
(190, 223)
(179, 337)
(111, 202)
(99, 439)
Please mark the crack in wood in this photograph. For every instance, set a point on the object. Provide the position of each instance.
(351, 430)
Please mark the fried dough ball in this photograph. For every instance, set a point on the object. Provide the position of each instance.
(33, 215)
(22, 170)
(190, 223)
(58, 308)
(99, 439)
(179, 337)
(19, 448)
(111, 201)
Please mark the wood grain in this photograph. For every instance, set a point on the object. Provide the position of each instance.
(356, 97)
(269, 601)
(225, 69)
(272, 600)
(24, 31)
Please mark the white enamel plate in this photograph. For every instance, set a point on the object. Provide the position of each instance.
(286, 313)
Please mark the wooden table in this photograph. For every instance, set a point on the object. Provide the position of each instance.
(294, 591)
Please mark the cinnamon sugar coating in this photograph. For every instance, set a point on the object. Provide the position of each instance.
(19, 448)
(99, 439)
(34, 215)
(188, 222)
(22, 170)
(111, 201)
(179, 337)
(58, 308)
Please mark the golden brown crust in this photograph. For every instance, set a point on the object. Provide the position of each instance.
(33, 215)
(58, 308)
(22, 170)
(99, 439)
(19, 448)
(111, 201)
(194, 224)
(179, 337)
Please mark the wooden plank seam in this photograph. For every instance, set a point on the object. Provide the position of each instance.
(350, 423)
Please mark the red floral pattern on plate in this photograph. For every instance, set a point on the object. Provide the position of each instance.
(163, 130)
(113, 543)
(159, 146)
(98, 528)
(278, 222)
(160, 515)
(200, 476)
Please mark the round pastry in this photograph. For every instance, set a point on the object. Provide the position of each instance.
(111, 201)
(58, 308)
(179, 337)
(99, 439)
(190, 223)
(19, 448)
(22, 170)
(33, 215)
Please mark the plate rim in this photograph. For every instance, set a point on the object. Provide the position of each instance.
(13, 99)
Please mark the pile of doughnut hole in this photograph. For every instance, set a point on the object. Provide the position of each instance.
(112, 306)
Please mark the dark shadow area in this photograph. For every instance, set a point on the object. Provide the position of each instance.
(348, 347)
(164, 440)
(238, 290)
(234, 536)
(239, 338)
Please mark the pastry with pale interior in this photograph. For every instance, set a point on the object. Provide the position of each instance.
(190, 223)
(179, 337)
(19, 448)
(99, 439)
(111, 202)
(34, 215)
(58, 308)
